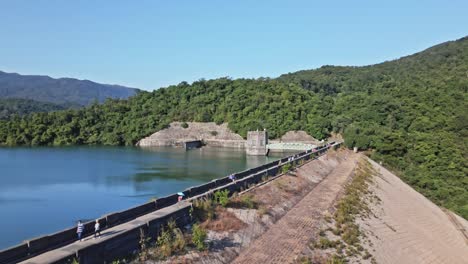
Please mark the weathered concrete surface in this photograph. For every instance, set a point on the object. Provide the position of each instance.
(408, 228)
(175, 135)
(298, 136)
(212, 135)
(257, 143)
(288, 237)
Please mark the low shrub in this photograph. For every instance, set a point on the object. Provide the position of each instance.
(171, 240)
(198, 237)
(203, 209)
(285, 168)
(248, 201)
(222, 197)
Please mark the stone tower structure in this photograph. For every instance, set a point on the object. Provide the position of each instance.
(257, 143)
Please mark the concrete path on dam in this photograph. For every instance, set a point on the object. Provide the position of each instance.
(70, 249)
(287, 238)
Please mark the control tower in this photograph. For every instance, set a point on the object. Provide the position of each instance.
(256, 144)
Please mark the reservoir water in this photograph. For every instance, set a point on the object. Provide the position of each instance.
(44, 190)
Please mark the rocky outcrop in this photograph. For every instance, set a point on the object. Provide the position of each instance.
(298, 136)
(210, 133)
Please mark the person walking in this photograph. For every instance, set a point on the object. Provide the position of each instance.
(180, 196)
(232, 177)
(79, 230)
(97, 229)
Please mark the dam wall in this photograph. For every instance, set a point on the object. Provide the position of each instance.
(127, 242)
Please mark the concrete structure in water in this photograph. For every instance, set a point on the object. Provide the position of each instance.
(257, 143)
(193, 144)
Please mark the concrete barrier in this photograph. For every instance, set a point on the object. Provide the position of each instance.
(13, 254)
(166, 201)
(112, 219)
(197, 190)
(137, 211)
(63, 237)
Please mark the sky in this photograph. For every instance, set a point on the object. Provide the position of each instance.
(153, 44)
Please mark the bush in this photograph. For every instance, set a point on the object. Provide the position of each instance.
(203, 209)
(285, 168)
(170, 240)
(248, 201)
(164, 243)
(184, 125)
(198, 237)
(335, 259)
(325, 243)
(222, 197)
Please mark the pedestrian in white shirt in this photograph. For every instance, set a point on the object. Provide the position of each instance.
(97, 229)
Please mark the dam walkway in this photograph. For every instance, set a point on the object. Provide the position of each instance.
(69, 251)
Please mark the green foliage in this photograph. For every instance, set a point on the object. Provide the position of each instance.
(324, 243)
(198, 237)
(144, 240)
(203, 209)
(12, 107)
(184, 125)
(247, 200)
(285, 168)
(410, 112)
(222, 197)
(336, 259)
(171, 240)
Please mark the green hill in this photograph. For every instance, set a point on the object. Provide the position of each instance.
(13, 106)
(411, 113)
(62, 91)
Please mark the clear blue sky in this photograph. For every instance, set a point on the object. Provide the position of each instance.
(149, 44)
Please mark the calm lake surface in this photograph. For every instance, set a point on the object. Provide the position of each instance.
(43, 190)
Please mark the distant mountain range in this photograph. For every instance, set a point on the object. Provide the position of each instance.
(64, 92)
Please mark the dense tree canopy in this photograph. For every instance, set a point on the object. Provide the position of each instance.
(13, 106)
(411, 113)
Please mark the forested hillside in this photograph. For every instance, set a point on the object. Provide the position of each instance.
(62, 91)
(411, 113)
(13, 106)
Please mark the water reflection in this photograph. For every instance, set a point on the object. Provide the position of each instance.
(47, 189)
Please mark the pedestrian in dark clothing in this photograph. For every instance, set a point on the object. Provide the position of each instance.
(79, 230)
